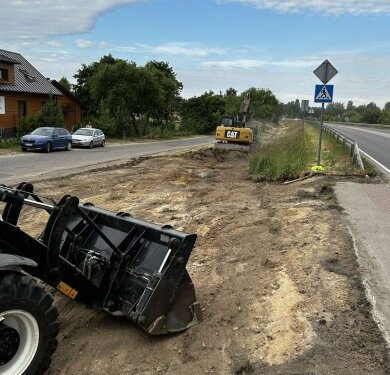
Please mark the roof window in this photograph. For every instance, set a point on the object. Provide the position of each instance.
(28, 76)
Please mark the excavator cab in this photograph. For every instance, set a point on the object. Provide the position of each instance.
(228, 121)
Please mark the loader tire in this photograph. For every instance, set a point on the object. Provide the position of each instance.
(28, 326)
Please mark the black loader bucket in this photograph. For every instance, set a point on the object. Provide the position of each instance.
(111, 261)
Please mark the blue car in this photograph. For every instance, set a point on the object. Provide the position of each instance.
(47, 139)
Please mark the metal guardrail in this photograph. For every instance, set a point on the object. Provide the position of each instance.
(364, 125)
(349, 142)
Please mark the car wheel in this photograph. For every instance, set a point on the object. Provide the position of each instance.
(90, 144)
(48, 147)
(28, 326)
(69, 146)
(103, 142)
(24, 149)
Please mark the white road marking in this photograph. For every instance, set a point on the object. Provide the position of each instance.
(375, 161)
(387, 170)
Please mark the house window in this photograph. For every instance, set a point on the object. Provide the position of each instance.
(3, 74)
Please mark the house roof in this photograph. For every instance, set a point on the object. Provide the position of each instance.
(7, 60)
(65, 91)
(27, 78)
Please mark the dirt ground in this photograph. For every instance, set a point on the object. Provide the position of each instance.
(274, 269)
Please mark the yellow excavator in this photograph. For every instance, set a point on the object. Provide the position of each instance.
(232, 133)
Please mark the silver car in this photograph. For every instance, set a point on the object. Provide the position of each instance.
(88, 137)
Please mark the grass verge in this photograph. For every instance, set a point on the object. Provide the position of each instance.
(292, 154)
(284, 158)
(335, 157)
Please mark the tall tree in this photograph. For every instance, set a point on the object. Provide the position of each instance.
(82, 88)
(264, 102)
(202, 114)
(65, 83)
(51, 114)
(371, 114)
(231, 92)
(166, 89)
(350, 106)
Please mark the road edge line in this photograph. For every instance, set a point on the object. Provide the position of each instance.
(387, 170)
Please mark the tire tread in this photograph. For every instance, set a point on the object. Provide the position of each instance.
(19, 289)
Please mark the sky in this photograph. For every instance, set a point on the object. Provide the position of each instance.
(214, 44)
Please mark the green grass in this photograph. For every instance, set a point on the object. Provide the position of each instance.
(292, 155)
(9, 144)
(284, 158)
(335, 156)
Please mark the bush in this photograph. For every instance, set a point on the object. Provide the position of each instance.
(8, 143)
(282, 159)
(27, 125)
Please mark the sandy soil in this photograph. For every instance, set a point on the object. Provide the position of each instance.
(274, 270)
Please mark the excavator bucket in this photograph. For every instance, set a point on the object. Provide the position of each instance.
(110, 261)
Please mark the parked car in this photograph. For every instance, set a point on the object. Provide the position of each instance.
(47, 139)
(89, 137)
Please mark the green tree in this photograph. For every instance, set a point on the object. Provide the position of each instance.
(82, 88)
(371, 114)
(353, 116)
(231, 92)
(65, 83)
(263, 102)
(163, 92)
(51, 114)
(202, 114)
(350, 106)
(105, 119)
(122, 118)
(384, 117)
(233, 103)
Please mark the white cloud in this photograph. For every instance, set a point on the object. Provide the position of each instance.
(82, 43)
(253, 64)
(362, 78)
(330, 7)
(54, 43)
(41, 18)
(234, 64)
(173, 48)
(186, 49)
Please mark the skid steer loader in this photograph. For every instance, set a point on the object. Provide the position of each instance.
(109, 261)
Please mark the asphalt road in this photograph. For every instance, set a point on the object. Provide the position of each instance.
(367, 207)
(32, 166)
(373, 142)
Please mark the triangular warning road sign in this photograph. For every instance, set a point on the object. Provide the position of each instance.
(324, 94)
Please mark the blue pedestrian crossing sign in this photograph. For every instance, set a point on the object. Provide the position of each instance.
(323, 94)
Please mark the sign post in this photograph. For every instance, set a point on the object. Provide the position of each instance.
(324, 94)
(304, 109)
